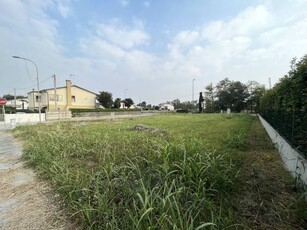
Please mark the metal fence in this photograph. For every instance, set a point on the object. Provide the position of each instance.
(291, 124)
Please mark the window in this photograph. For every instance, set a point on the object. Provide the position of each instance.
(73, 98)
(36, 98)
(51, 97)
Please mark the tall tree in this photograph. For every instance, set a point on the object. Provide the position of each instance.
(116, 103)
(129, 102)
(256, 91)
(226, 94)
(200, 102)
(238, 95)
(209, 99)
(222, 94)
(105, 99)
(176, 103)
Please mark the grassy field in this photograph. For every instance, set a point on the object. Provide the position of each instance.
(165, 172)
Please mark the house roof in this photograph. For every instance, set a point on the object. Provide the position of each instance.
(63, 87)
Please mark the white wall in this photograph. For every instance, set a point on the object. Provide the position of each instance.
(293, 161)
(23, 118)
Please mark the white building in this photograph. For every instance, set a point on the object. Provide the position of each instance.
(21, 103)
(166, 106)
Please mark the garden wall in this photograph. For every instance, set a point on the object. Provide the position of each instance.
(293, 160)
(22, 118)
(57, 115)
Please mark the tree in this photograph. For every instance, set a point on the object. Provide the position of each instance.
(209, 99)
(176, 103)
(11, 97)
(105, 99)
(285, 105)
(256, 91)
(231, 94)
(222, 94)
(116, 103)
(238, 95)
(143, 104)
(129, 102)
(234, 95)
(200, 102)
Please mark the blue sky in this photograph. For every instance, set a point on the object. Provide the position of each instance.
(149, 50)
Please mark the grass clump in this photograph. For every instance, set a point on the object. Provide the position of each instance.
(170, 172)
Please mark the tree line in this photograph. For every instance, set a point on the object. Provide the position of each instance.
(106, 100)
(233, 95)
(283, 106)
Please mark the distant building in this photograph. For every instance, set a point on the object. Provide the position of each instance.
(21, 103)
(122, 104)
(166, 106)
(67, 97)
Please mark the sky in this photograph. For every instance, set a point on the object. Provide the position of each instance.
(148, 50)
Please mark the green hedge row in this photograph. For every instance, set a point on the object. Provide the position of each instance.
(74, 111)
(285, 106)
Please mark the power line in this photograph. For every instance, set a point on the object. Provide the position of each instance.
(28, 71)
(28, 87)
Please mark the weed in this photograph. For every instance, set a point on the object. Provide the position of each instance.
(112, 176)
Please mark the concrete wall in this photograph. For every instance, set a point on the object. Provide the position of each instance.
(293, 161)
(56, 115)
(103, 114)
(23, 118)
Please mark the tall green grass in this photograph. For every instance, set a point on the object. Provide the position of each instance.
(171, 172)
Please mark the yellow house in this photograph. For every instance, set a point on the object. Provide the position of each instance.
(67, 97)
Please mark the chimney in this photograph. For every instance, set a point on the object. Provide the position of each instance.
(68, 94)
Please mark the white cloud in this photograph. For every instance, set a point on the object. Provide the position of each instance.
(249, 22)
(97, 48)
(64, 7)
(249, 42)
(122, 35)
(186, 37)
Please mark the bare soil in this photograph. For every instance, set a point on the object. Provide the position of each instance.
(25, 201)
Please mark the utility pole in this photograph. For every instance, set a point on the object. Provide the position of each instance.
(15, 97)
(55, 94)
(193, 91)
(38, 92)
(269, 83)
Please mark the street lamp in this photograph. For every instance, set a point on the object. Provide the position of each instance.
(38, 94)
(193, 91)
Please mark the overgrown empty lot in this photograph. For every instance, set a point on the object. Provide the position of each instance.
(166, 172)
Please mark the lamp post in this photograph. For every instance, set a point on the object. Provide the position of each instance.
(193, 91)
(38, 94)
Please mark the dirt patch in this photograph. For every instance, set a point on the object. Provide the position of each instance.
(25, 201)
(152, 130)
(266, 199)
